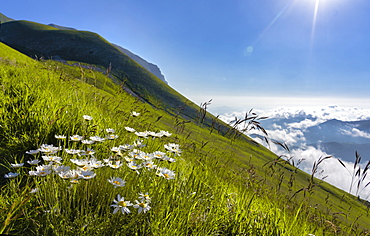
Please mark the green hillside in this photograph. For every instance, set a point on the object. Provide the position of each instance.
(4, 19)
(216, 183)
(38, 40)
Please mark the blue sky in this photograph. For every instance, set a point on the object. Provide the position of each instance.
(240, 53)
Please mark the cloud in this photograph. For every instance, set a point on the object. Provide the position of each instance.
(355, 133)
(287, 125)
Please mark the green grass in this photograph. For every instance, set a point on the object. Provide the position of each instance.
(223, 185)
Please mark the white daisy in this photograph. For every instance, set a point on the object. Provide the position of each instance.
(121, 204)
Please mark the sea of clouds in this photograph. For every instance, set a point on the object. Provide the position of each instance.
(287, 125)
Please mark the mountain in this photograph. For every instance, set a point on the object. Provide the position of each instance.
(61, 27)
(147, 65)
(43, 41)
(4, 19)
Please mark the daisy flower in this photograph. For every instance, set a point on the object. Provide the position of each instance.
(18, 165)
(60, 137)
(134, 113)
(11, 175)
(166, 173)
(87, 142)
(133, 165)
(129, 129)
(144, 197)
(33, 152)
(75, 138)
(121, 204)
(117, 182)
(142, 207)
(97, 139)
(115, 165)
(52, 158)
(111, 136)
(111, 131)
(33, 162)
(87, 174)
(165, 133)
(86, 117)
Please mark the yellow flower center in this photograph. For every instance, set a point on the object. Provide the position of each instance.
(116, 182)
(167, 175)
(142, 204)
(122, 203)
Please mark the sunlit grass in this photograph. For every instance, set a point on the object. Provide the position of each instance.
(211, 182)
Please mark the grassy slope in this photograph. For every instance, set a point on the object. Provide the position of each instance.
(39, 40)
(219, 170)
(4, 19)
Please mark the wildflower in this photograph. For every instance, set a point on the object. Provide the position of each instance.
(139, 144)
(60, 136)
(115, 149)
(44, 172)
(111, 136)
(61, 168)
(129, 129)
(18, 165)
(97, 139)
(159, 155)
(144, 197)
(146, 156)
(120, 203)
(74, 181)
(117, 182)
(70, 174)
(11, 175)
(33, 152)
(142, 134)
(73, 151)
(174, 148)
(34, 190)
(134, 113)
(89, 151)
(87, 142)
(149, 164)
(80, 162)
(133, 165)
(86, 167)
(165, 133)
(111, 131)
(75, 138)
(126, 147)
(33, 162)
(136, 154)
(166, 173)
(52, 158)
(169, 159)
(142, 207)
(49, 149)
(86, 117)
(95, 163)
(116, 165)
(87, 174)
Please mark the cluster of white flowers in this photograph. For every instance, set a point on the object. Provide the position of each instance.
(142, 205)
(86, 163)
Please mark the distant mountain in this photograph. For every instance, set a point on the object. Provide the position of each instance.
(147, 65)
(334, 137)
(61, 27)
(339, 131)
(34, 39)
(4, 19)
(345, 151)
